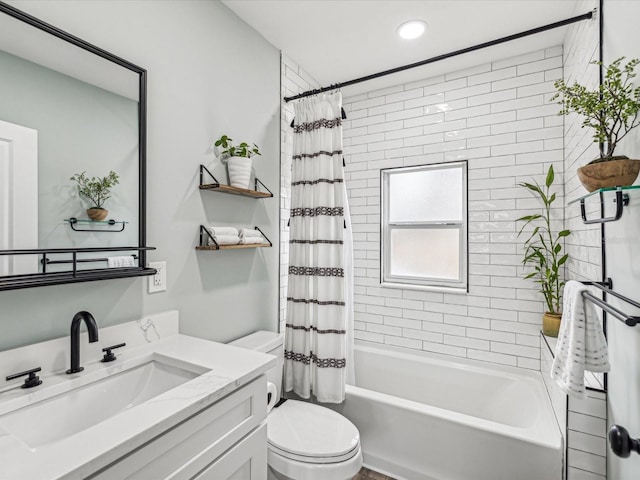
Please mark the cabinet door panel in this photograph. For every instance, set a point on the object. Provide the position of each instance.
(246, 461)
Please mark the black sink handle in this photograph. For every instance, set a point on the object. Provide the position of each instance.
(108, 354)
(32, 381)
(621, 442)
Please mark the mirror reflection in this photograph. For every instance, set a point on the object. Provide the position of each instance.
(64, 112)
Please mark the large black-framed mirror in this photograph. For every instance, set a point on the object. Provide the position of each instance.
(68, 107)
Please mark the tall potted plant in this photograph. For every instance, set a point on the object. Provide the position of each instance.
(612, 110)
(543, 252)
(238, 160)
(96, 191)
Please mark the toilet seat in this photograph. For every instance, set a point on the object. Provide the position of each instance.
(309, 433)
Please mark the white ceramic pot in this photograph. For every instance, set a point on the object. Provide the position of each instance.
(239, 169)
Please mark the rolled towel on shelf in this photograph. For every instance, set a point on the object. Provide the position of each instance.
(225, 240)
(581, 343)
(247, 232)
(252, 240)
(121, 261)
(224, 231)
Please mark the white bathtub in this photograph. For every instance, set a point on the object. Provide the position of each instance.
(430, 419)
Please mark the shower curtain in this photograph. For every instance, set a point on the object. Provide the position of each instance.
(317, 334)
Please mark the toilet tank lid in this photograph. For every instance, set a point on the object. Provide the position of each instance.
(261, 341)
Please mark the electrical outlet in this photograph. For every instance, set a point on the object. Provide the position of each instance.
(158, 282)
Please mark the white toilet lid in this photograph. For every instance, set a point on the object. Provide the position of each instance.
(305, 431)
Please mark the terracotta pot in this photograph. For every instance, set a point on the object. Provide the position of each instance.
(551, 324)
(239, 169)
(97, 214)
(612, 173)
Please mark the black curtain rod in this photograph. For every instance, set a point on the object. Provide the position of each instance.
(544, 28)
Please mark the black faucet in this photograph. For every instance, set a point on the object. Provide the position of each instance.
(92, 330)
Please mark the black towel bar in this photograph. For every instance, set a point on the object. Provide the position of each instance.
(631, 320)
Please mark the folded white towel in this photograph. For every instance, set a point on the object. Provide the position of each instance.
(226, 240)
(223, 230)
(581, 344)
(252, 240)
(247, 232)
(121, 261)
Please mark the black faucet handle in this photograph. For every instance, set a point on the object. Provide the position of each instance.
(108, 354)
(32, 381)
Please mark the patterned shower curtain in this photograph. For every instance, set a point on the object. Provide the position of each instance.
(316, 327)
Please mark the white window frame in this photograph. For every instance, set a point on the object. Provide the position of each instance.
(422, 283)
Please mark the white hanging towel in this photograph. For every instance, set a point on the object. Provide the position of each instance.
(581, 344)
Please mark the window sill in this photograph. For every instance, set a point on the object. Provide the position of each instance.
(426, 288)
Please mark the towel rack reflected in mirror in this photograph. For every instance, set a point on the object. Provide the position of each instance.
(630, 320)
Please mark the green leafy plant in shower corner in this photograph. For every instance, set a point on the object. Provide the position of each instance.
(242, 150)
(95, 190)
(543, 247)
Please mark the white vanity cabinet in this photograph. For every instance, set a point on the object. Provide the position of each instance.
(226, 440)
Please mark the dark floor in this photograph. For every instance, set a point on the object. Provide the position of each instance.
(366, 474)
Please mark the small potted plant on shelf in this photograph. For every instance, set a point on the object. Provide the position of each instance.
(612, 110)
(238, 160)
(543, 252)
(96, 191)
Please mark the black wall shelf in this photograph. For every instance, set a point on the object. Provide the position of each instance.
(208, 242)
(45, 278)
(219, 187)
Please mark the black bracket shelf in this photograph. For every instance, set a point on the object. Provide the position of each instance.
(73, 221)
(75, 275)
(216, 186)
(621, 200)
(208, 242)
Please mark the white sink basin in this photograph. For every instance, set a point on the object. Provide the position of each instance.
(75, 410)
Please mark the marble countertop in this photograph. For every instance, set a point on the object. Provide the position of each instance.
(226, 368)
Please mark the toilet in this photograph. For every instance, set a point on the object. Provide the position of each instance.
(305, 441)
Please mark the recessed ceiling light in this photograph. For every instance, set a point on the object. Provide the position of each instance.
(412, 29)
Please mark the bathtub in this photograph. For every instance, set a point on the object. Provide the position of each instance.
(423, 418)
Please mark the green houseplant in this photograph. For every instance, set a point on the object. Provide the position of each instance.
(612, 110)
(238, 160)
(96, 191)
(543, 252)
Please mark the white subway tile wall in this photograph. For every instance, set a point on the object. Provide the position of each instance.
(583, 245)
(293, 80)
(498, 117)
(587, 419)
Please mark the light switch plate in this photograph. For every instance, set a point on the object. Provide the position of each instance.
(158, 282)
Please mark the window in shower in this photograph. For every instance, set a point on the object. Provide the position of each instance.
(424, 226)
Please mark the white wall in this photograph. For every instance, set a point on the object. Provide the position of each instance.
(209, 73)
(622, 38)
(499, 118)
